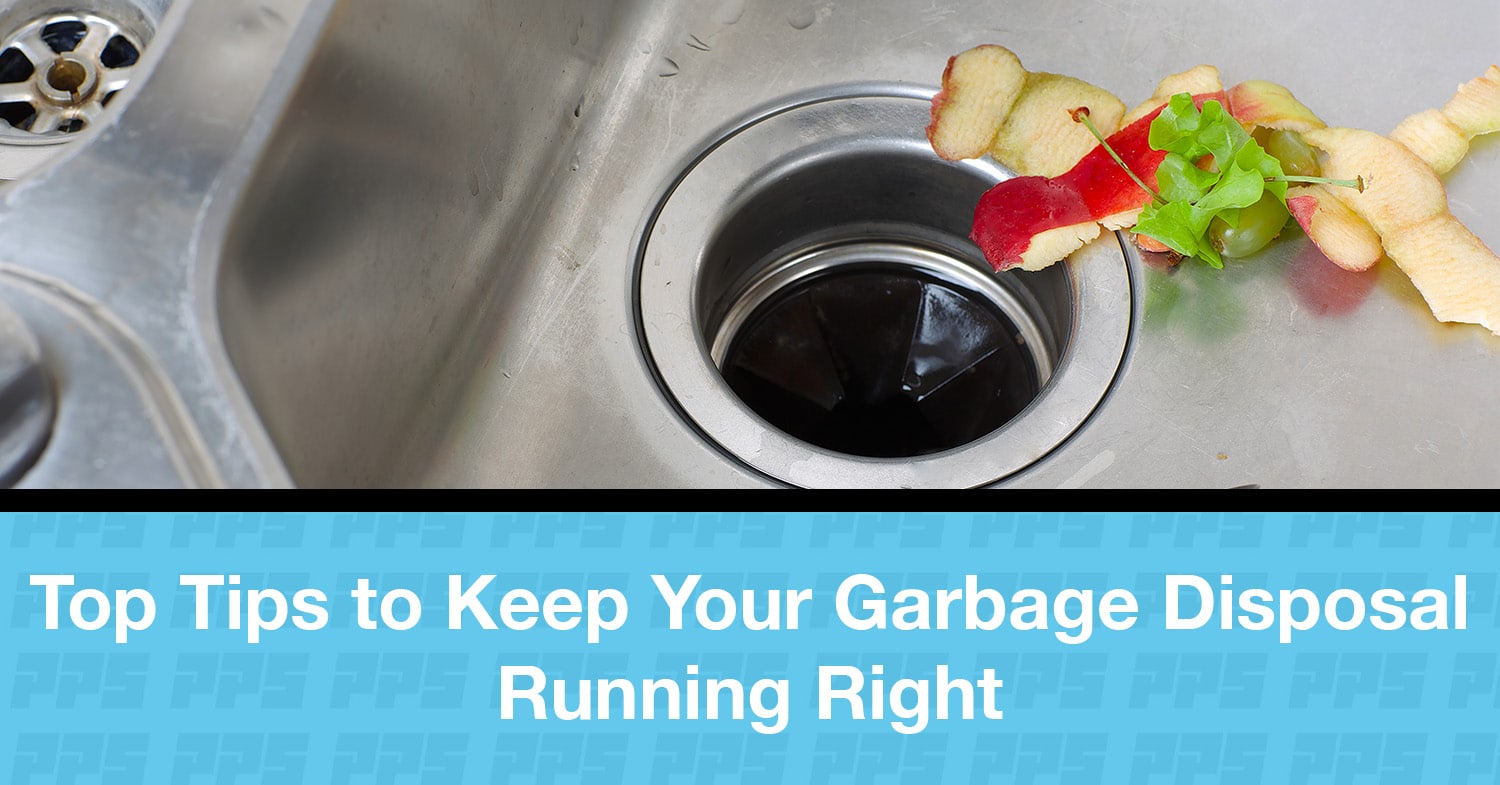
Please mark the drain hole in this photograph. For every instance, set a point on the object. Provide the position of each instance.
(18, 113)
(14, 66)
(881, 362)
(67, 75)
(64, 36)
(60, 71)
(811, 303)
(119, 53)
(843, 305)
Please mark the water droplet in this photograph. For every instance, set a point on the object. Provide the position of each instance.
(669, 67)
(473, 183)
(575, 163)
(729, 11)
(801, 20)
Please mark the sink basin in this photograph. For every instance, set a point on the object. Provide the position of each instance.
(401, 244)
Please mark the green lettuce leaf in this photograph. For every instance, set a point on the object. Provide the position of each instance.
(1234, 177)
(1179, 179)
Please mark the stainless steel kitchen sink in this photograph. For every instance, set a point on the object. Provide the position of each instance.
(389, 243)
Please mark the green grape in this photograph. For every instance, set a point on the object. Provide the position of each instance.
(1259, 225)
(1296, 156)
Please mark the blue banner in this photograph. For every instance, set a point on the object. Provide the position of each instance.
(759, 648)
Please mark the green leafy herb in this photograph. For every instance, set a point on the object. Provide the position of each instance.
(1213, 169)
(1183, 129)
(1179, 225)
(1180, 180)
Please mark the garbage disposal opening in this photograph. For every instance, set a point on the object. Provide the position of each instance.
(842, 330)
(882, 349)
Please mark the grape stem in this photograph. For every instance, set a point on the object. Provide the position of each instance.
(1357, 183)
(1081, 115)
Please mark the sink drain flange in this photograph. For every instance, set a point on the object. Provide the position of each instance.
(63, 70)
(773, 286)
(59, 72)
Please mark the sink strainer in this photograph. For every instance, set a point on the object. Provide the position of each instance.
(810, 301)
(58, 73)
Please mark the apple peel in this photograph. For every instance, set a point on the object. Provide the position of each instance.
(1457, 274)
(1039, 136)
(1434, 138)
(1475, 108)
(1012, 217)
(990, 104)
(1034, 222)
(1405, 204)
(980, 86)
(1269, 105)
(1345, 238)
(1441, 136)
(1195, 80)
(1031, 222)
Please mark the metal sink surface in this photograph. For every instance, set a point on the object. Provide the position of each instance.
(388, 243)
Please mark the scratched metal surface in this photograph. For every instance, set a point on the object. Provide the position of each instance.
(1278, 372)
(413, 265)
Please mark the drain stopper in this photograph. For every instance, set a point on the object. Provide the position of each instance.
(58, 73)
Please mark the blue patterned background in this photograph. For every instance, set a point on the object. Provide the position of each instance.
(180, 706)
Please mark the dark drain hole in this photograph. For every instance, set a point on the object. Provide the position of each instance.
(18, 113)
(14, 66)
(881, 363)
(119, 53)
(64, 36)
